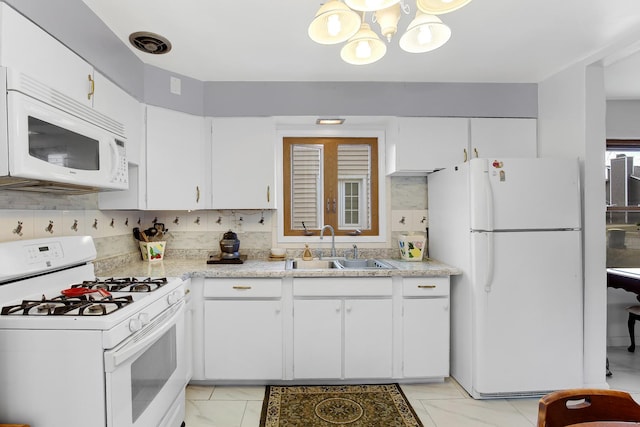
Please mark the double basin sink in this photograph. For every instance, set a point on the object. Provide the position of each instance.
(338, 263)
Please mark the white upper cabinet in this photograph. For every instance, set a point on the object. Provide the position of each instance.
(425, 144)
(243, 163)
(117, 104)
(29, 50)
(176, 154)
(504, 137)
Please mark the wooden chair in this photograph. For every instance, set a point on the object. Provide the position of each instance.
(566, 407)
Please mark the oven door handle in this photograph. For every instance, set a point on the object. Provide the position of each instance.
(144, 338)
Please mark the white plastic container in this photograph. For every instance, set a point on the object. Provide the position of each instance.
(153, 251)
(412, 247)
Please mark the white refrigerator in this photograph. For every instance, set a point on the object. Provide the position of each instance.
(513, 226)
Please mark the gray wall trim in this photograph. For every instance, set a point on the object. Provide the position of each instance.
(157, 92)
(370, 99)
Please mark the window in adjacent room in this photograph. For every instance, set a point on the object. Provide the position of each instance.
(330, 181)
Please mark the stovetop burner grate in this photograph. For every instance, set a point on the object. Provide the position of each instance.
(71, 306)
(124, 284)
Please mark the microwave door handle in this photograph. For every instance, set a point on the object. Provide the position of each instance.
(115, 159)
(117, 356)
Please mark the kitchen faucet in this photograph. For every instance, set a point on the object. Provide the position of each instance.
(333, 238)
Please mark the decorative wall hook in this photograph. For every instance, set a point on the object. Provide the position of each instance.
(49, 228)
(176, 221)
(74, 226)
(197, 221)
(112, 224)
(126, 222)
(18, 229)
(95, 223)
(402, 220)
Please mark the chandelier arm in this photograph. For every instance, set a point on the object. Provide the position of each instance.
(405, 7)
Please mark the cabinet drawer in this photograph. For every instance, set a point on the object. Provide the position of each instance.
(242, 288)
(341, 286)
(425, 286)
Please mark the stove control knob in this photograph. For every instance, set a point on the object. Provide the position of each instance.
(144, 318)
(135, 325)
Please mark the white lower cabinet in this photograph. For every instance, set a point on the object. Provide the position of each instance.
(425, 327)
(345, 333)
(243, 329)
(321, 328)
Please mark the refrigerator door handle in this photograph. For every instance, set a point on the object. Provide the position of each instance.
(490, 250)
(488, 281)
(488, 194)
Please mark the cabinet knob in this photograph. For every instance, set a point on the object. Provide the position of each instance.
(475, 151)
(466, 157)
(349, 309)
(241, 287)
(426, 286)
(268, 193)
(197, 194)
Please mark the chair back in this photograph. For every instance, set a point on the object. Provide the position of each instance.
(566, 407)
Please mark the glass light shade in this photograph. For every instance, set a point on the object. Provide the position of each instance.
(370, 5)
(438, 7)
(388, 20)
(425, 33)
(334, 23)
(363, 48)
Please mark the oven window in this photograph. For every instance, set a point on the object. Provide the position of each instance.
(62, 147)
(151, 370)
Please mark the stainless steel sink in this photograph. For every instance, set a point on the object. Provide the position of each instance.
(315, 264)
(337, 263)
(367, 264)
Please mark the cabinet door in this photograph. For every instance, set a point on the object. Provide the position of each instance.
(175, 160)
(368, 326)
(317, 338)
(117, 104)
(425, 338)
(425, 144)
(494, 138)
(30, 50)
(243, 163)
(243, 339)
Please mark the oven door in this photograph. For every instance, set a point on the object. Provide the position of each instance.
(146, 374)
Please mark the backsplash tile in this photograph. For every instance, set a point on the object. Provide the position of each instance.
(194, 233)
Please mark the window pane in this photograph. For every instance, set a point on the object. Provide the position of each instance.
(354, 175)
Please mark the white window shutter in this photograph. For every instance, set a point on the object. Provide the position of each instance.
(306, 179)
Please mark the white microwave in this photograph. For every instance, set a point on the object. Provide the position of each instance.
(56, 144)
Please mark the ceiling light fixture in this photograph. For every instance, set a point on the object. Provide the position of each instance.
(337, 22)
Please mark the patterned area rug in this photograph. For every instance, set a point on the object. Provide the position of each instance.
(344, 405)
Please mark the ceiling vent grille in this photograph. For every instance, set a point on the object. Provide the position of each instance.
(150, 42)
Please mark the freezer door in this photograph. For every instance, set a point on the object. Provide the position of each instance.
(525, 194)
(528, 318)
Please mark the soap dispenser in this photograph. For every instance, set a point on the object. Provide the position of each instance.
(306, 254)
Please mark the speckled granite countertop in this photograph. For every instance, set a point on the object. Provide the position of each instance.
(258, 268)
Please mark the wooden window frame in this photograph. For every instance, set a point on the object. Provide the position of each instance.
(330, 181)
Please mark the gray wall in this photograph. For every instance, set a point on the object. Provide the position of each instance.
(75, 25)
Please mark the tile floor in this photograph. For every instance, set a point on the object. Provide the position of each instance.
(438, 405)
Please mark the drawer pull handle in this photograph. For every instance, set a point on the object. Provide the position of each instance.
(426, 286)
(241, 288)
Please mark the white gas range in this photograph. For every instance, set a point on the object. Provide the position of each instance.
(76, 350)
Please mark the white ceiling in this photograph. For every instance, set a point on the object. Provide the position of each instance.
(523, 41)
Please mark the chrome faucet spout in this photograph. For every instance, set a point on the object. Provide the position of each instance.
(333, 237)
